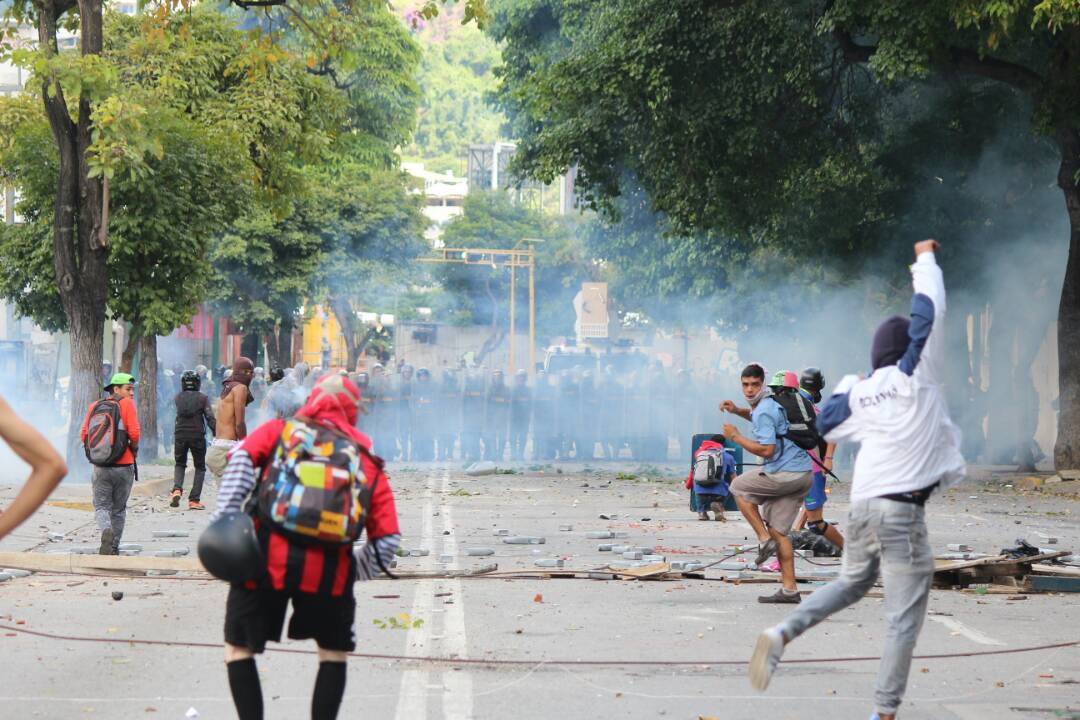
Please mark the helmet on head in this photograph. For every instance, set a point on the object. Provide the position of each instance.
(276, 374)
(813, 381)
(229, 550)
(190, 381)
(362, 379)
(423, 373)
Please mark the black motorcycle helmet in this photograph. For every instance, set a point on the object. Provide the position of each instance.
(190, 381)
(229, 550)
(813, 382)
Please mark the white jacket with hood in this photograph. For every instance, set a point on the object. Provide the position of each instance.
(899, 414)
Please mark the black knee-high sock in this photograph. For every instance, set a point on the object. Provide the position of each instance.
(246, 689)
(329, 689)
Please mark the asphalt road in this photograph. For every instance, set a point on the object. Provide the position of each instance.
(545, 625)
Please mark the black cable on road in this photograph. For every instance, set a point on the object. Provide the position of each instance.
(494, 662)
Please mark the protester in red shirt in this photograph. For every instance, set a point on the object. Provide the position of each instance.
(112, 482)
(317, 580)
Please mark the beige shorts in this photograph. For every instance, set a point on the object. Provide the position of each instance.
(217, 455)
(779, 495)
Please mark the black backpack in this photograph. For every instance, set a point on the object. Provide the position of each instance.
(802, 420)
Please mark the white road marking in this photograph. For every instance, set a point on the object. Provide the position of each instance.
(458, 693)
(450, 640)
(970, 633)
(413, 696)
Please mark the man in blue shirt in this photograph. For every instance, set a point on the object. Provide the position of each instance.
(769, 498)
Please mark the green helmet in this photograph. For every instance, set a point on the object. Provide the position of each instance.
(120, 379)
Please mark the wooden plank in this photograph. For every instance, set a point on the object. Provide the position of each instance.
(1060, 570)
(946, 565)
(78, 564)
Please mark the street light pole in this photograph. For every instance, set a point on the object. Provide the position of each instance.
(513, 316)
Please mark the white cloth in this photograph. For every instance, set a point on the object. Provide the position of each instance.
(902, 420)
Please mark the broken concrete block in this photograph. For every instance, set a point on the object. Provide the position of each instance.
(603, 547)
(619, 548)
(620, 534)
(653, 558)
(479, 552)
(643, 550)
(566, 528)
(175, 552)
(500, 532)
(959, 547)
(128, 553)
(549, 562)
(601, 576)
(599, 534)
(55, 536)
(483, 467)
(419, 552)
(130, 546)
(524, 540)
(17, 572)
(4, 577)
(170, 533)
(159, 573)
(633, 555)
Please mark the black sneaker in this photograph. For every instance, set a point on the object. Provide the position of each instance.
(765, 551)
(781, 597)
(106, 547)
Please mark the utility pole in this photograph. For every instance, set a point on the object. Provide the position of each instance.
(513, 258)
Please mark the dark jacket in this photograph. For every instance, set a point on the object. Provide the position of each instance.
(193, 416)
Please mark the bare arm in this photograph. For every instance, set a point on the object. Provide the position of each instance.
(239, 397)
(830, 450)
(47, 467)
(731, 407)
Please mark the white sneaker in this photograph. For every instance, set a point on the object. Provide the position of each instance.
(767, 653)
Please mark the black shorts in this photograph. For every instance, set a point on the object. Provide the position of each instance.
(252, 617)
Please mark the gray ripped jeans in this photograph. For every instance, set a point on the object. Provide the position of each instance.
(889, 536)
(112, 487)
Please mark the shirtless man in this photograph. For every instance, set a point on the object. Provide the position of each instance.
(231, 423)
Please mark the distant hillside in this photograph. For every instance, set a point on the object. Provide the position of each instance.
(455, 75)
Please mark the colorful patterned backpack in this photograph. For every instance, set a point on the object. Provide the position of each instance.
(316, 489)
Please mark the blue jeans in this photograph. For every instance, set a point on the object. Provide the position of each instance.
(889, 536)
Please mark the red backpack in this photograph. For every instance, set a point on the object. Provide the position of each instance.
(315, 488)
(106, 437)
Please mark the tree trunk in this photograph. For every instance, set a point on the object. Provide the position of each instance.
(1067, 448)
(146, 400)
(79, 240)
(131, 346)
(281, 345)
(350, 327)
